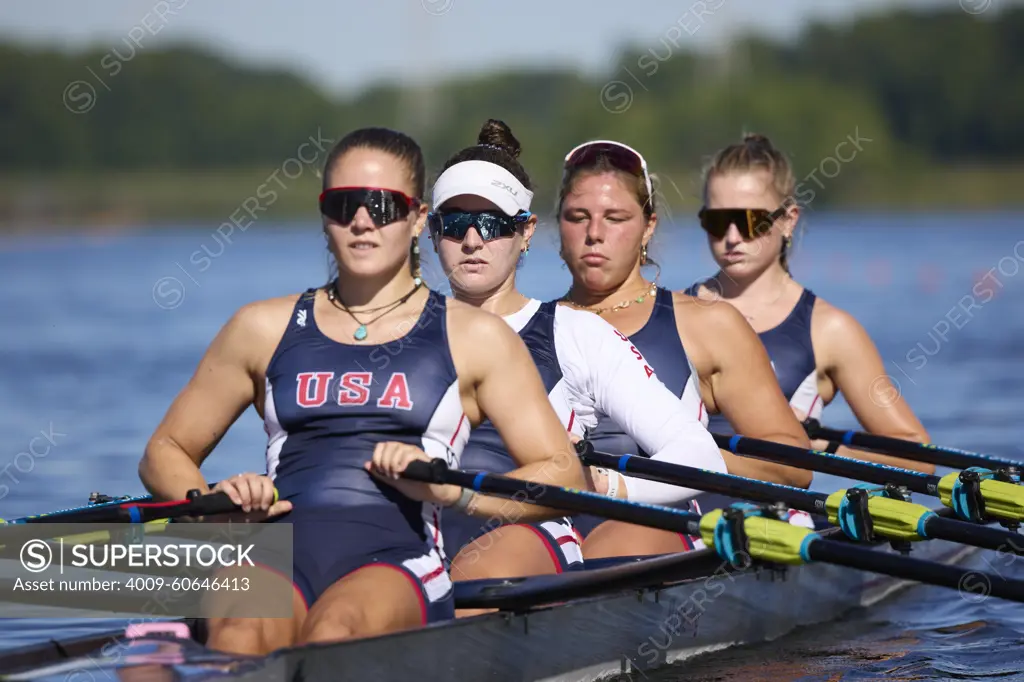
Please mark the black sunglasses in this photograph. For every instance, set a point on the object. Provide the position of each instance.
(385, 206)
(490, 224)
(751, 222)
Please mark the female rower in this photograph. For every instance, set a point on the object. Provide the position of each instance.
(355, 380)
(481, 227)
(707, 355)
(817, 350)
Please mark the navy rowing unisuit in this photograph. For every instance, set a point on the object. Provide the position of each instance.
(328, 404)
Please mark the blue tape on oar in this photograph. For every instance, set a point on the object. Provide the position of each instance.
(134, 515)
(477, 480)
(805, 547)
(623, 461)
(734, 441)
(848, 437)
(922, 523)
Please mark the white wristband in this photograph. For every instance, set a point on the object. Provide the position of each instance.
(613, 482)
(463, 502)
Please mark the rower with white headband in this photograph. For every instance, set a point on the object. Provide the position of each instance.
(481, 226)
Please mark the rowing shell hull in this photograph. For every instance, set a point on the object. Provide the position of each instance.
(581, 641)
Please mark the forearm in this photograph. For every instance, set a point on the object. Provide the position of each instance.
(691, 446)
(868, 456)
(168, 473)
(772, 472)
(562, 471)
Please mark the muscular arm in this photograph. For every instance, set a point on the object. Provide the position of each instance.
(216, 395)
(745, 389)
(602, 364)
(502, 383)
(854, 365)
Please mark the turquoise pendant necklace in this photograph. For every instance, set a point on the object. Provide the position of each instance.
(361, 332)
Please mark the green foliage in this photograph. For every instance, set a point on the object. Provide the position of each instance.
(926, 88)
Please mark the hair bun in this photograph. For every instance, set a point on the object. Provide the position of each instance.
(757, 139)
(496, 133)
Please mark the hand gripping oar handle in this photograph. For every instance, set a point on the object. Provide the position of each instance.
(922, 452)
(554, 497)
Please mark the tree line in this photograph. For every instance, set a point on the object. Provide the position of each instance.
(917, 88)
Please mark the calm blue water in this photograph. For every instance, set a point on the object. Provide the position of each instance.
(99, 331)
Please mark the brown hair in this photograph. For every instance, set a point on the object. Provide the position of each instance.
(601, 162)
(756, 152)
(398, 145)
(496, 144)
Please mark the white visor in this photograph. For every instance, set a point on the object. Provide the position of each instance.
(484, 179)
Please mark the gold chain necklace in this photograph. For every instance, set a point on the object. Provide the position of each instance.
(651, 291)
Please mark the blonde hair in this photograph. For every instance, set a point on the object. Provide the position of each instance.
(756, 152)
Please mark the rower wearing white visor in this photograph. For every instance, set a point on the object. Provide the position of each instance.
(481, 226)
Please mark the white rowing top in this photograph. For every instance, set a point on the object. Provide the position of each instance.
(603, 374)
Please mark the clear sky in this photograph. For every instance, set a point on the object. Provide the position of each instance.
(345, 45)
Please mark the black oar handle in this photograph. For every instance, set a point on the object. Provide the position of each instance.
(554, 497)
(921, 452)
(706, 481)
(976, 583)
(882, 474)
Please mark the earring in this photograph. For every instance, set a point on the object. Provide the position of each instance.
(787, 241)
(643, 255)
(417, 276)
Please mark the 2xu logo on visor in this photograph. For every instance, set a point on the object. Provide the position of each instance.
(385, 206)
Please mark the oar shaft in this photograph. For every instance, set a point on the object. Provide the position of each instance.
(140, 512)
(974, 534)
(572, 501)
(953, 458)
(917, 482)
(708, 481)
(72, 514)
(918, 570)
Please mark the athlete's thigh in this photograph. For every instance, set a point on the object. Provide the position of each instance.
(371, 600)
(255, 604)
(506, 551)
(618, 539)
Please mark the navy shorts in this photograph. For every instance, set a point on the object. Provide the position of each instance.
(325, 551)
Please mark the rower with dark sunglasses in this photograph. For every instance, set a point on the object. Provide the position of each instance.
(817, 350)
(354, 381)
(706, 355)
(481, 226)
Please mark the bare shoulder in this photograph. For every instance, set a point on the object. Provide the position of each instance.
(253, 333)
(468, 321)
(834, 325)
(264, 319)
(708, 315)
